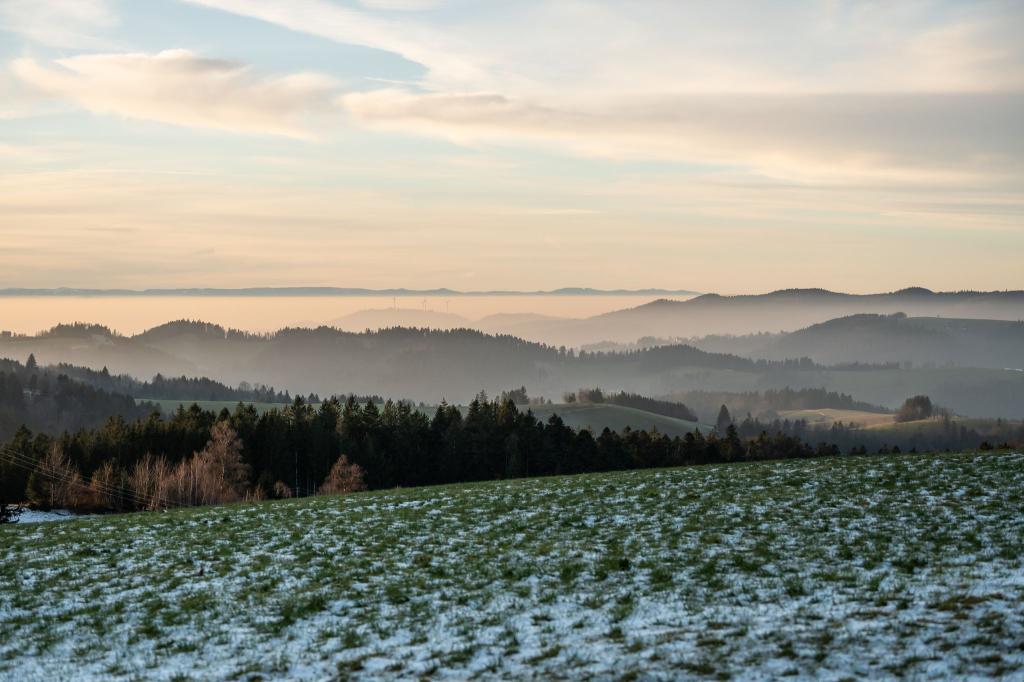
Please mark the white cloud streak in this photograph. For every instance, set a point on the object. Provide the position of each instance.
(181, 88)
(840, 139)
(834, 92)
(607, 47)
(59, 23)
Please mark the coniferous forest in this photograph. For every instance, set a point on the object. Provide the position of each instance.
(118, 466)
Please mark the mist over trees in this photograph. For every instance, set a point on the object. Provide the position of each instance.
(430, 365)
(50, 401)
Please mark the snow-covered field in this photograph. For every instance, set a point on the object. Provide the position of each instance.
(35, 516)
(863, 567)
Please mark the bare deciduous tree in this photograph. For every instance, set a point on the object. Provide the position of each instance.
(344, 477)
(148, 480)
(110, 488)
(56, 482)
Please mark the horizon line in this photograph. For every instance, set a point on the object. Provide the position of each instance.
(330, 291)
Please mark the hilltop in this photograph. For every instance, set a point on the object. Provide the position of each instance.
(426, 365)
(784, 310)
(875, 338)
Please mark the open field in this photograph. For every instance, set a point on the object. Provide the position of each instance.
(578, 416)
(873, 566)
(616, 417)
(933, 424)
(169, 406)
(827, 417)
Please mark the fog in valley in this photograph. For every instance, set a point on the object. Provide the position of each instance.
(971, 366)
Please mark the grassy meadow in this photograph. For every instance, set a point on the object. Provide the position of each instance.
(842, 567)
(169, 406)
(576, 415)
(826, 417)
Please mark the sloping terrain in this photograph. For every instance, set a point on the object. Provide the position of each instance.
(454, 365)
(616, 417)
(785, 310)
(871, 567)
(827, 417)
(898, 338)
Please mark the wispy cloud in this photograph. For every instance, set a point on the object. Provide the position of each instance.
(182, 88)
(603, 48)
(401, 5)
(831, 92)
(59, 23)
(839, 139)
(438, 50)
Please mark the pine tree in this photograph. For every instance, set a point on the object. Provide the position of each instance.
(724, 420)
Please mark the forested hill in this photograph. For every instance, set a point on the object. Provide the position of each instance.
(50, 401)
(899, 338)
(172, 388)
(785, 310)
(418, 364)
(430, 365)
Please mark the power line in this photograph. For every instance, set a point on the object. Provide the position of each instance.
(24, 462)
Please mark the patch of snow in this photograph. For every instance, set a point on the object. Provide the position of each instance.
(37, 516)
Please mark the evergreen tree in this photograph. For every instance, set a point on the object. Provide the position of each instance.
(724, 420)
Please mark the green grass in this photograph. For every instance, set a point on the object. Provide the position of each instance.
(936, 425)
(827, 416)
(861, 567)
(616, 418)
(169, 406)
(595, 417)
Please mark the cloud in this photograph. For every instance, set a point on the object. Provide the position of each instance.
(401, 5)
(576, 48)
(435, 48)
(835, 92)
(181, 88)
(59, 23)
(835, 139)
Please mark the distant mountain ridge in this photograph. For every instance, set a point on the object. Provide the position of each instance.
(431, 365)
(776, 311)
(708, 314)
(420, 364)
(876, 338)
(339, 291)
(826, 294)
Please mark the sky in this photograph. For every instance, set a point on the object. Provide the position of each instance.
(734, 146)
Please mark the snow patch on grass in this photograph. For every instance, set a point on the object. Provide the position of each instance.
(865, 567)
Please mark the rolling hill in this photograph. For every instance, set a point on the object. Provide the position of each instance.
(784, 310)
(597, 417)
(898, 338)
(430, 365)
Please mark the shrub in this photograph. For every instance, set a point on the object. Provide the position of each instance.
(344, 477)
(913, 409)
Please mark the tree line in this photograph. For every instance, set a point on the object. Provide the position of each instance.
(50, 401)
(162, 387)
(195, 456)
(667, 408)
(292, 451)
(771, 400)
